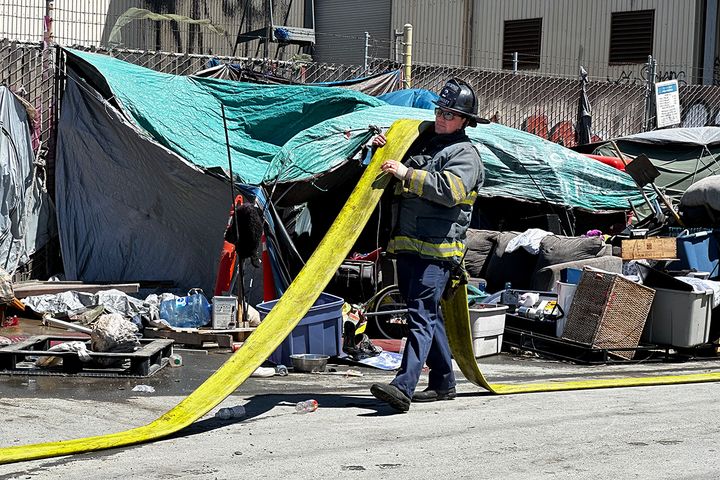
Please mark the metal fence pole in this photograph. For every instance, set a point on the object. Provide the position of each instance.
(515, 62)
(650, 94)
(407, 55)
(367, 49)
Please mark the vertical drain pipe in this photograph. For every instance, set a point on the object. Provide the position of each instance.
(407, 55)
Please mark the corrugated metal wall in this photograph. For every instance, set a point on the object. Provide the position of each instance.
(89, 22)
(340, 30)
(438, 28)
(573, 32)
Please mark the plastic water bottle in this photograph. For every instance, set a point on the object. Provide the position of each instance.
(228, 413)
(175, 360)
(192, 311)
(306, 406)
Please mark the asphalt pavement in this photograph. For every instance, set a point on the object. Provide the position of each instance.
(658, 432)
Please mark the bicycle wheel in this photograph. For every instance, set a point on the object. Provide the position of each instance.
(392, 325)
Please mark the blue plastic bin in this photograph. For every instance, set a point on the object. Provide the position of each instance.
(699, 251)
(319, 331)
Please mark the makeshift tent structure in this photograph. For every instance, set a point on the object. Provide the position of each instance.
(26, 218)
(142, 161)
(682, 155)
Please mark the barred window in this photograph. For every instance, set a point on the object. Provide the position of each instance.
(631, 37)
(522, 36)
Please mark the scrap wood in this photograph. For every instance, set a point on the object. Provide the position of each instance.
(32, 288)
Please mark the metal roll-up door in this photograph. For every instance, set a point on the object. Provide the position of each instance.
(340, 28)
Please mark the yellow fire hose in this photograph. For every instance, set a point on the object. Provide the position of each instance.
(457, 324)
(291, 308)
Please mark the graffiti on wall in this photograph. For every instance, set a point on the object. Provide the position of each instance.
(562, 132)
(700, 113)
(631, 77)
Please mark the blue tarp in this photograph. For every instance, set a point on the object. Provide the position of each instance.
(414, 97)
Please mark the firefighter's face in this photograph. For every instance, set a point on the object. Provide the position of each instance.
(447, 121)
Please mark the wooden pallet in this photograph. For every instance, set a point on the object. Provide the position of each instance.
(150, 353)
(202, 337)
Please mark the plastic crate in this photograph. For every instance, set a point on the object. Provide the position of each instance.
(319, 331)
(679, 319)
(607, 312)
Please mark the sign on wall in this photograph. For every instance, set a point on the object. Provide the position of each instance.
(667, 103)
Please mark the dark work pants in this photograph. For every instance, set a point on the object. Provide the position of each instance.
(421, 284)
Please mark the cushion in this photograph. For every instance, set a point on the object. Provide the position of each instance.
(556, 249)
(516, 267)
(480, 245)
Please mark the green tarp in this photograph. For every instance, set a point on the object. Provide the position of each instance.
(183, 114)
(294, 133)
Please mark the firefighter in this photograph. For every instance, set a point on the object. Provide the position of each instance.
(436, 190)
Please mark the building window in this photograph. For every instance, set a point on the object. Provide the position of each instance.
(631, 36)
(523, 37)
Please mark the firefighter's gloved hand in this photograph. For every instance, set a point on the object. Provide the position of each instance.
(458, 277)
(396, 168)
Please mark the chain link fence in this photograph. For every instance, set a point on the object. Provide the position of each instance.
(543, 104)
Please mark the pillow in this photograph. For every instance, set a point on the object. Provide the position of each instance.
(516, 267)
(480, 245)
(559, 249)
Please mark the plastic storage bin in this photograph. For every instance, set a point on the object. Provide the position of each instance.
(566, 293)
(319, 331)
(679, 319)
(488, 324)
(699, 251)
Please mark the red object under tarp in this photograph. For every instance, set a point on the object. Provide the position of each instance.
(268, 280)
(612, 161)
(226, 268)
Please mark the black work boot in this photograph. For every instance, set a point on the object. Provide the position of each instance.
(430, 395)
(391, 395)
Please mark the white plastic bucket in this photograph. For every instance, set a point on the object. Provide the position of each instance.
(488, 324)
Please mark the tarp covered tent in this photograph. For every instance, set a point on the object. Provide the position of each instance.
(682, 155)
(136, 202)
(26, 216)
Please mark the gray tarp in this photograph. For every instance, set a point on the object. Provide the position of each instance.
(701, 136)
(682, 155)
(129, 209)
(26, 221)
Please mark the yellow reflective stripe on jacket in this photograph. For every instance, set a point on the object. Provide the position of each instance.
(417, 181)
(470, 199)
(456, 186)
(436, 250)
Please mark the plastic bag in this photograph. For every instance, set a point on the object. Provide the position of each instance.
(192, 311)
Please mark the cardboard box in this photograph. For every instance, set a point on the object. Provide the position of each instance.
(649, 248)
